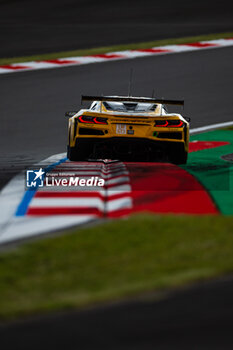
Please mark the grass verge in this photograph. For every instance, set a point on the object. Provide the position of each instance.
(118, 259)
(101, 50)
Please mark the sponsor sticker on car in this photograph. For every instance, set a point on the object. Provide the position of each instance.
(121, 129)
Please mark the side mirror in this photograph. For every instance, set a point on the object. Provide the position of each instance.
(188, 119)
(70, 114)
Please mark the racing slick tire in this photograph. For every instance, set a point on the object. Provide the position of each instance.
(71, 153)
(76, 154)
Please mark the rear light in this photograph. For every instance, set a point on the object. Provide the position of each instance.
(86, 119)
(92, 120)
(161, 123)
(99, 120)
(175, 123)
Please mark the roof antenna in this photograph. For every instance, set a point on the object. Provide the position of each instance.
(161, 108)
(153, 93)
(101, 104)
(130, 82)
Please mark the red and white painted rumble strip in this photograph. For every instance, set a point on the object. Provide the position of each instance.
(129, 188)
(55, 208)
(99, 202)
(119, 55)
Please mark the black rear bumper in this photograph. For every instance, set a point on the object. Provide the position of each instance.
(127, 148)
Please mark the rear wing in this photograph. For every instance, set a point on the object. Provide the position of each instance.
(132, 99)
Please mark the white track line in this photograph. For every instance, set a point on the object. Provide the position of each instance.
(22, 228)
(211, 127)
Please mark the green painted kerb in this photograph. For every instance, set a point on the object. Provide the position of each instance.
(214, 173)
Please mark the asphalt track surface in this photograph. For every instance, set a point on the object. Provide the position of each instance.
(199, 318)
(29, 27)
(34, 127)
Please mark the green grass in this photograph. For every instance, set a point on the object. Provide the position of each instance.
(101, 50)
(115, 260)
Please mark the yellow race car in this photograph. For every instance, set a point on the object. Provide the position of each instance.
(128, 129)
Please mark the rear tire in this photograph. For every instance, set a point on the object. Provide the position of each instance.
(76, 154)
(71, 153)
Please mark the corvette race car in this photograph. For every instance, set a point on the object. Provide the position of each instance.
(129, 129)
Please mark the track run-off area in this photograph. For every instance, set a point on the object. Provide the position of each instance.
(202, 187)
